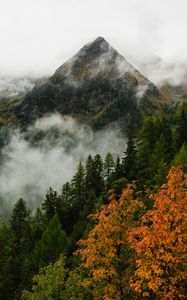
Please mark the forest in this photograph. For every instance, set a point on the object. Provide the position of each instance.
(117, 230)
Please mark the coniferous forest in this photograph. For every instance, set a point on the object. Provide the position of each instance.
(117, 230)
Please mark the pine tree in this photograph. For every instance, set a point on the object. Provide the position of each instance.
(165, 130)
(89, 180)
(7, 285)
(49, 204)
(20, 222)
(181, 129)
(98, 183)
(181, 157)
(66, 214)
(78, 187)
(118, 172)
(160, 153)
(108, 169)
(52, 243)
(129, 160)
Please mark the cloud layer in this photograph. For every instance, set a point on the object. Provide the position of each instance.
(37, 36)
(29, 171)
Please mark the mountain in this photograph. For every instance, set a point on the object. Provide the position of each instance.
(97, 84)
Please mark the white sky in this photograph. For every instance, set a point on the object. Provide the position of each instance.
(39, 35)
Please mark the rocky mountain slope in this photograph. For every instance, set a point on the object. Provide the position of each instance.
(98, 85)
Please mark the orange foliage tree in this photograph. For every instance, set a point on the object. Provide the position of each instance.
(105, 253)
(159, 242)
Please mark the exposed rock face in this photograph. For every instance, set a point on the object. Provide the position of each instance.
(96, 84)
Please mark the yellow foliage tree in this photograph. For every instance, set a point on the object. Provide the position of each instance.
(105, 253)
(160, 242)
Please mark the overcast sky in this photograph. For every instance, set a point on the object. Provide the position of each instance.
(39, 35)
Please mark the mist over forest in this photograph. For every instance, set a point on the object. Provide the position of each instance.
(47, 154)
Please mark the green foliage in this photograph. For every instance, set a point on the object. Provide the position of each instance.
(74, 287)
(181, 127)
(52, 243)
(118, 185)
(108, 169)
(6, 262)
(49, 283)
(50, 203)
(181, 157)
(129, 160)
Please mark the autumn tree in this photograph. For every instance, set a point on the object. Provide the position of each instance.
(105, 253)
(159, 242)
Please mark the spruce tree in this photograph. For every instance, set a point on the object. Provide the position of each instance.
(78, 187)
(49, 204)
(98, 183)
(7, 284)
(129, 160)
(181, 129)
(20, 222)
(118, 172)
(109, 166)
(52, 243)
(89, 180)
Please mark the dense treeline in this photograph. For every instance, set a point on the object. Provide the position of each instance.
(38, 247)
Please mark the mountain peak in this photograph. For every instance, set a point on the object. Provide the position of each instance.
(94, 49)
(99, 39)
(97, 58)
(92, 82)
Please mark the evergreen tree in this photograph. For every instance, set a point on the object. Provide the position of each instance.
(181, 156)
(52, 243)
(118, 171)
(181, 129)
(20, 222)
(108, 169)
(166, 131)
(78, 187)
(144, 171)
(38, 223)
(129, 160)
(98, 183)
(89, 180)
(67, 209)
(7, 286)
(159, 154)
(49, 204)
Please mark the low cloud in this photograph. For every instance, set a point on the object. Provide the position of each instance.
(10, 87)
(29, 170)
(161, 71)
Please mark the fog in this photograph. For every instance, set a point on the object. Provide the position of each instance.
(38, 36)
(30, 169)
(11, 87)
(161, 71)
